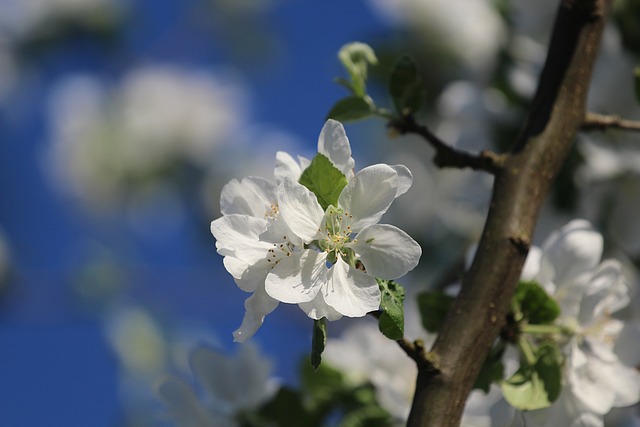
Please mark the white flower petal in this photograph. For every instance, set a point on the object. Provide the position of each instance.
(257, 306)
(247, 277)
(241, 382)
(532, 264)
(318, 308)
(386, 251)
(584, 378)
(369, 194)
(405, 179)
(297, 278)
(572, 251)
(334, 144)
(252, 196)
(606, 293)
(300, 209)
(286, 167)
(349, 291)
(237, 236)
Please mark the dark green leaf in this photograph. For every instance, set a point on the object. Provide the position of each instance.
(349, 109)
(368, 416)
(324, 180)
(433, 307)
(538, 385)
(405, 86)
(535, 304)
(391, 321)
(323, 383)
(287, 409)
(318, 341)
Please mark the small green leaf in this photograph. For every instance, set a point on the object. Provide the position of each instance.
(356, 58)
(433, 307)
(636, 79)
(349, 109)
(535, 304)
(537, 385)
(318, 341)
(324, 180)
(391, 321)
(405, 86)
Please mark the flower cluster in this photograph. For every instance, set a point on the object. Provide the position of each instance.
(598, 372)
(312, 238)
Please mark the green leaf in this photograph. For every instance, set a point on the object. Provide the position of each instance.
(349, 109)
(356, 58)
(636, 79)
(368, 416)
(405, 86)
(324, 180)
(287, 409)
(433, 307)
(391, 321)
(318, 341)
(323, 383)
(537, 385)
(535, 304)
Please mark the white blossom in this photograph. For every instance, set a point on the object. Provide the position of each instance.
(589, 291)
(336, 237)
(230, 385)
(267, 235)
(110, 142)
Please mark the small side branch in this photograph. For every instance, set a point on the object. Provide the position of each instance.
(601, 122)
(416, 351)
(446, 156)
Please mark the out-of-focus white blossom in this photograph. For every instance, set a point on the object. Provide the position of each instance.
(471, 30)
(589, 292)
(229, 384)
(365, 355)
(111, 142)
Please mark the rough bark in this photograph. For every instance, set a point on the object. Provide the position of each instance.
(520, 187)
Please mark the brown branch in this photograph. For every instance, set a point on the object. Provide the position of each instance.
(520, 186)
(601, 122)
(446, 156)
(415, 350)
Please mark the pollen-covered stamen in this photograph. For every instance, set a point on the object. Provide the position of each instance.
(279, 251)
(337, 229)
(273, 212)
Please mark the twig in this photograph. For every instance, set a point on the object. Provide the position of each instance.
(601, 122)
(415, 350)
(446, 156)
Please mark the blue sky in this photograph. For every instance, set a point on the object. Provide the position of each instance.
(56, 366)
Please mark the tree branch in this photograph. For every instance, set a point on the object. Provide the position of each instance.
(601, 122)
(446, 155)
(415, 350)
(520, 186)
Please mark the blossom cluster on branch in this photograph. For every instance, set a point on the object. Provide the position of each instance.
(312, 238)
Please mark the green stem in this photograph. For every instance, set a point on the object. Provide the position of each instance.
(527, 351)
(546, 330)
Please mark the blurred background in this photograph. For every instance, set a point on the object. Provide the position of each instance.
(120, 121)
